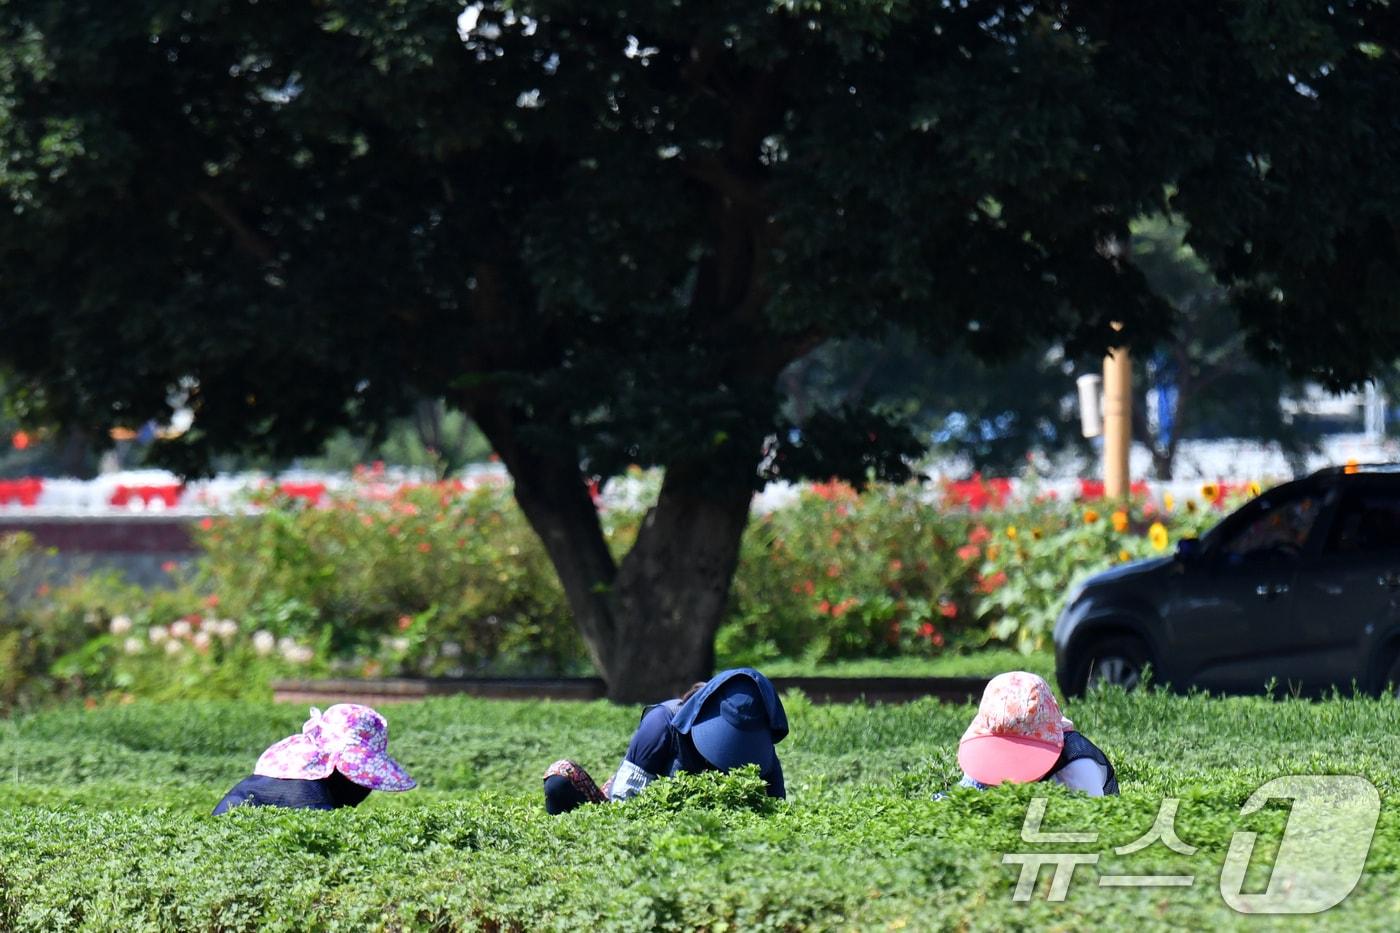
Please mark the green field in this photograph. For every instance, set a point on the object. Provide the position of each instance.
(105, 824)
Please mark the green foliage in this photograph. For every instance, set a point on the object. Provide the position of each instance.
(860, 844)
(839, 574)
(1029, 560)
(436, 581)
(429, 579)
(888, 572)
(434, 438)
(603, 230)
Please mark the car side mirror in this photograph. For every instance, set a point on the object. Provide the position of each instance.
(1188, 549)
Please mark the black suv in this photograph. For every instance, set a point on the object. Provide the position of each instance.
(1299, 587)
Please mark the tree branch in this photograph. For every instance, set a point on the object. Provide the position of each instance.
(246, 237)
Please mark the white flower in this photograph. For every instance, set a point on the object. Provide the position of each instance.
(227, 628)
(119, 625)
(451, 650)
(264, 642)
(172, 647)
(133, 646)
(180, 629)
(201, 641)
(291, 651)
(398, 645)
(158, 634)
(296, 654)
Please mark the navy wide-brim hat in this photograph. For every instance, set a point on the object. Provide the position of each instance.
(732, 727)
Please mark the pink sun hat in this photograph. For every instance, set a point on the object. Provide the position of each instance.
(1017, 734)
(348, 738)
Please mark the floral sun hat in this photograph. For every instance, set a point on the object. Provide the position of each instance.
(348, 738)
(1017, 734)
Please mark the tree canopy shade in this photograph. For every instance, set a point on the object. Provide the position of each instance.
(603, 229)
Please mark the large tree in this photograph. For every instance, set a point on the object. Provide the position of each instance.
(605, 228)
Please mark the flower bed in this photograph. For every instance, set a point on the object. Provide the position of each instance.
(445, 580)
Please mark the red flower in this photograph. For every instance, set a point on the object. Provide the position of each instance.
(835, 538)
(927, 630)
(979, 534)
(206, 523)
(969, 552)
(896, 565)
(843, 606)
(948, 610)
(833, 571)
(808, 586)
(405, 622)
(212, 600)
(424, 547)
(824, 607)
(991, 584)
(169, 567)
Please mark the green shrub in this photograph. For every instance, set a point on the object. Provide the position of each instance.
(106, 823)
(427, 580)
(434, 580)
(841, 575)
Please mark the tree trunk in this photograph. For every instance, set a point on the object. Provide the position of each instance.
(673, 586)
(650, 623)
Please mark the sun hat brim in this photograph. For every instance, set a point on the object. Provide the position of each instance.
(727, 747)
(297, 757)
(375, 770)
(994, 759)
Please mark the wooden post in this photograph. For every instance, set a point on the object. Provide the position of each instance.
(1117, 420)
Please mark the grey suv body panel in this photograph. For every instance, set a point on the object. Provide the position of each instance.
(1299, 587)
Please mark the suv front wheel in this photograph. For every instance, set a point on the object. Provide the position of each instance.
(1110, 661)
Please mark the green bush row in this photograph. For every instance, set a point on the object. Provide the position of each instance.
(436, 580)
(106, 827)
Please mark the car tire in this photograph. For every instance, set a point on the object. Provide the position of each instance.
(1113, 660)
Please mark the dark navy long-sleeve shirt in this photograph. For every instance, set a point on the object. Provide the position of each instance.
(326, 794)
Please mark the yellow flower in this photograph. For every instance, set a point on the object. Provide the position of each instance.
(1037, 534)
(993, 552)
(1090, 516)
(1211, 492)
(1352, 466)
(1120, 521)
(1124, 556)
(1168, 502)
(1253, 488)
(1011, 532)
(1157, 534)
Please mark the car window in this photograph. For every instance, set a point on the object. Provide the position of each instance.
(1365, 523)
(1280, 528)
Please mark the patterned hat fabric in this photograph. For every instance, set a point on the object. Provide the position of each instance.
(582, 781)
(348, 738)
(1017, 734)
